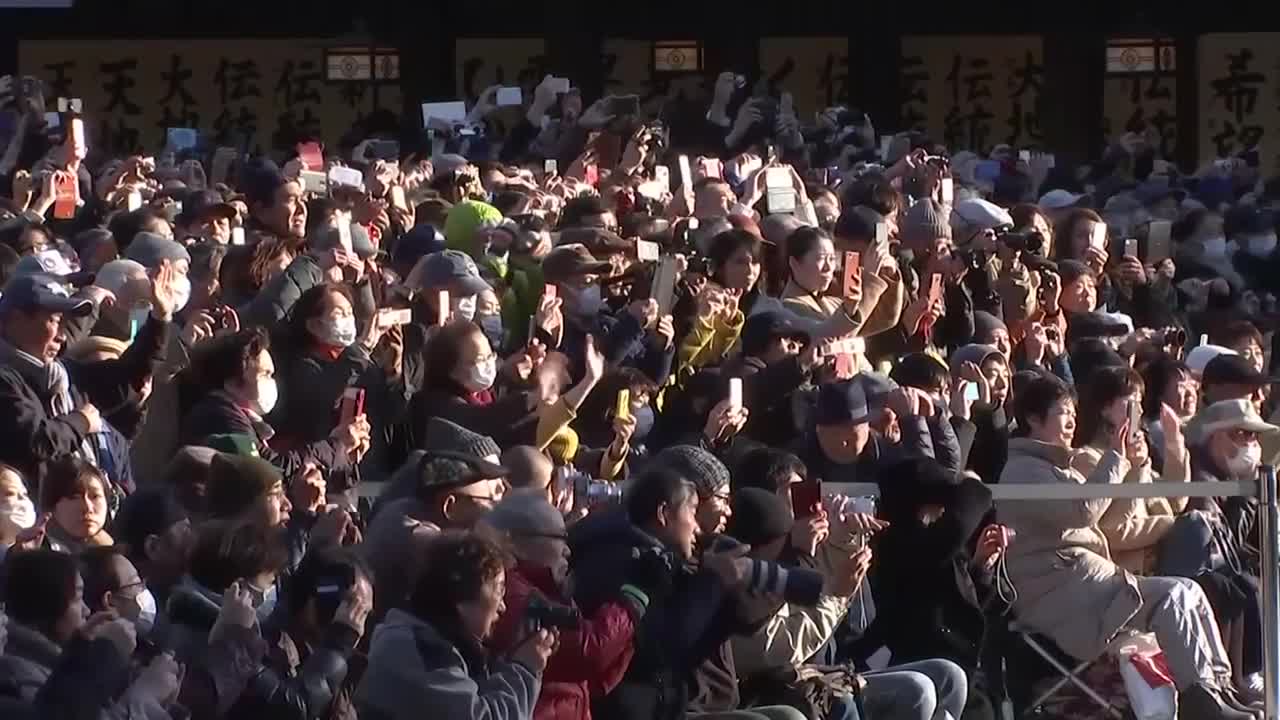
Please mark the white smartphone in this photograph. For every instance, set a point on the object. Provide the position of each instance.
(237, 236)
(735, 393)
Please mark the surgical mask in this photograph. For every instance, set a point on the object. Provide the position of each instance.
(138, 318)
(583, 302)
(182, 292)
(265, 602)
(340, 331)
(1260, 245)
(492, 327)
(146, 611)
(268, 395)
(463, 307)
(20, 512)
(1215, 246)
(481, 377)
(1244, 461)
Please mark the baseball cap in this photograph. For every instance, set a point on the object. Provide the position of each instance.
(1227, 415)
(841, 403)
(571, 260)
(30, 293)
(1059, 200)
(447, 267)
(52, 263)
(202, 204)
(1232, 370)
(1201, 355)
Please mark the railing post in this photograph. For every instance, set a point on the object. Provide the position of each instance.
(1269, 514)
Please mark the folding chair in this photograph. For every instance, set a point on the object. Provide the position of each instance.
(1047, 651)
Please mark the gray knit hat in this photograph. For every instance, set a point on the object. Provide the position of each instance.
(698, 466)
(923, 223)
(446, 436)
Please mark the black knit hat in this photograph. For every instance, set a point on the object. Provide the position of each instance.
(759, 517)
(446, 436)
(237, 481)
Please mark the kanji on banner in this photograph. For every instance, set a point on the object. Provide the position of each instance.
(1239, 79)
(262, 94)
(815, 70)
(973, 92)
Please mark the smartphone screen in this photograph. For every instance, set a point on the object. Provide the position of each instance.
(622, 410)
(549, 166)
(970, 391)
(664, 286)
(735, 393)
(1098, 238)
(549, 290)
(806, 497)
(237, 236)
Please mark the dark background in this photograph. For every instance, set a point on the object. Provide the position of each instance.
(1074, 35)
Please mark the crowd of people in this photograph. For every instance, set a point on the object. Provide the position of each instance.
(536, 425)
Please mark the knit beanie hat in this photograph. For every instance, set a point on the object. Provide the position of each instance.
(698, 466)
(759, 517)
(237, 481)
(984, 324)
(923, 223)
(446, 436)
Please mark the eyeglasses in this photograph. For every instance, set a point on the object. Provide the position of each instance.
(486, 499)
(1240, 436)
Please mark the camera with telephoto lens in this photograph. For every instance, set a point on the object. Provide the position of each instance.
(594, 492)
(1030, 241)
(1171, 337)
(544, 615)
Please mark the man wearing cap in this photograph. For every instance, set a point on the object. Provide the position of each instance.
(46, 411)
(453, 490)
(1232, 377)
(840, 447)
(453, 272)
(774, 363)
(206, 216)
(154, 252)
(276, 205)
(1057, 203)
(635, 337)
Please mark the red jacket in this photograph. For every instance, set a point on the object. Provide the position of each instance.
(589, 662)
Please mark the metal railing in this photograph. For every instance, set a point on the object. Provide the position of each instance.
(1268, 517)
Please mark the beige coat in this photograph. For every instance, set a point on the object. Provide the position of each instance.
(1135, 527)
(1059, 561)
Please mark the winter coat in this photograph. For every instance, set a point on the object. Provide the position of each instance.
(508, 419)
(1069, 589)
(415, 671)
(588, 662)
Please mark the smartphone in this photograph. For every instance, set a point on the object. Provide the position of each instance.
(852, 279)
(397, 197)
(237, 236)
(806, 498)
(442, 308)
(712, 168)
(1098, 238)
(780, 195)
(1159, 247)
(662, 175)
(390, 318)
(222, 159)
(647, 251)
(1024, 156)
(1204, 339)
(549, 166)
(179, 139)
(935, 287)
(664, 285)
(346, 177)
(134, 201)
(79, 147)
(560, 85)
(549, 290)
(311, 155)
(316, 183)
(591, 174)
(352, 405)
(735, 393)
(66, 192)
(1131, 248)
(885, 142)
(686, 175)
(76, 105)
(63, 105)
(882, 234)
(946, 191)
(622, 409)
(1135, 418)
(970, 391)
(508, 96)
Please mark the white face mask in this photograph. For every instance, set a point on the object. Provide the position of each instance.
(268, 394)
(1260, 245)
(182, 291)
(146, 610)
(1215, 247)
(481, 377)
(1244, 461)
(463, 307)
(21, 512)
(340, 331)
